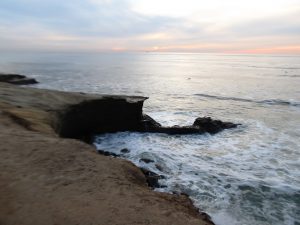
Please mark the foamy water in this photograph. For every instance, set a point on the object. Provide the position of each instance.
(248, 175)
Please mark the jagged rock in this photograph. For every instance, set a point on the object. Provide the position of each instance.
(89, 115)
(102, 115)
(200, 126)
(209, 125)
(148, 123)
(152, 178)
(17, 79)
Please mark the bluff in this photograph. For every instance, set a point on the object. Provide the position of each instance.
(48, 176)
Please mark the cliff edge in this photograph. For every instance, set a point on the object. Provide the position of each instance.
(49, 177)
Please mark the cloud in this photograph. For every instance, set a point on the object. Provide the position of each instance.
(84, 18)
(191, 25)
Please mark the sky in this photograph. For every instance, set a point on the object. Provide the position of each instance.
(218, 26)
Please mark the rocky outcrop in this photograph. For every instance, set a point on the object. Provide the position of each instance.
(102, 115)
(16, 79)
(200, 126)
(71, 115)
(79, 115)
(209, 125)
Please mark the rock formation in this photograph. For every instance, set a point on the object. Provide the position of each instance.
(16, 79)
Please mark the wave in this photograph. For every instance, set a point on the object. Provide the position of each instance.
(290, 75)
(275, 67)
(267, 101)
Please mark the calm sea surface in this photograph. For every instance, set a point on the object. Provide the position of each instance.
(244, 176)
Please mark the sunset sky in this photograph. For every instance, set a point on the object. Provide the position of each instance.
(221, 26)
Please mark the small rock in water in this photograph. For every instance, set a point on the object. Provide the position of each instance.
(212, 126)
(227, 186)
(159, 167)
(16, 79)
(106, 153)
(125, 150)
(146, 160)
(152, 178)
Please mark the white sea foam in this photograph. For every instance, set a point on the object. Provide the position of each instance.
(233, 175)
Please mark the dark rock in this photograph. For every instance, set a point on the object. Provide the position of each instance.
(17, 79)
(206, 218)
(8, 77)
(159, 167)
(106, 153)
(227, 186)
(209, 125)
(103, 115)
(178, 130)
(185, 194)
(115, 114)
(147, 160)
(122, 113)
(125, 150)
(152, 178)
(148, 123)
(200, 126)
(24, 81)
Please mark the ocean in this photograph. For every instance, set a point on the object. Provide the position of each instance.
(249, 175)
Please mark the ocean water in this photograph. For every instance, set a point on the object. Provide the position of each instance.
(244, 176)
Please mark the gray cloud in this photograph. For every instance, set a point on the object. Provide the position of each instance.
(77, 17)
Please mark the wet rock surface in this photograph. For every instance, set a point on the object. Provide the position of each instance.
(16, 79)
(125, 150)
(201, 125)
(107, 153)
(212, 126)
(153, 178)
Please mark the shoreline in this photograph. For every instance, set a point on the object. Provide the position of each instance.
(47, 178)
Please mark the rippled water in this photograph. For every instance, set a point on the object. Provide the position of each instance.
(248, 175)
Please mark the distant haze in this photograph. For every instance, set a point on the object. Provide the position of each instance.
(220, 26)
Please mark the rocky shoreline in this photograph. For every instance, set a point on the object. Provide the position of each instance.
(17, 79)
(49, 177)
